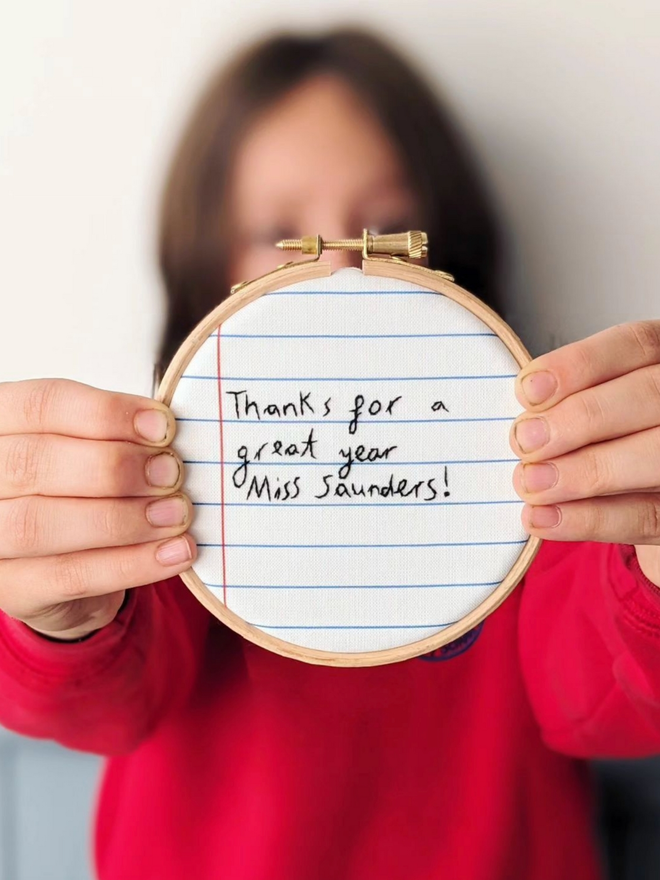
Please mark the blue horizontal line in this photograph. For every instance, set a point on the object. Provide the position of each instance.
(350, 504)
(346, 335)
(367, 421)
(354, 293)
(334, 546)
(347, 378)
(347, 586)
(356, 626)
(390, 463)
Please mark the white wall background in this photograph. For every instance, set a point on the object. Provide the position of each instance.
(561, 98)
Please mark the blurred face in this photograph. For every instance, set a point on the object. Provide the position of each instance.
(315, 162)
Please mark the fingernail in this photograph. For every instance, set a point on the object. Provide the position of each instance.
(167, 511)
(531, 434)
(151, 424)
(174, 552)
(163, 470)
(538, 387)
(537, 477)
(544, 517)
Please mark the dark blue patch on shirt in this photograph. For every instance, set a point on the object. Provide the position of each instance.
(455, 648)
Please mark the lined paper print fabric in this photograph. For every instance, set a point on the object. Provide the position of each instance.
(346, 450)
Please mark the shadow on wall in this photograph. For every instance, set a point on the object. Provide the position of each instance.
(629, 817)
(46, 800)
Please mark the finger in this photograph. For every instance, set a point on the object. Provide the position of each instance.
(601, 357)
(60, 406)
(40, 526)
(629, 464)
(29, 587)
(49, 464)
(620, 519)
(622, 406)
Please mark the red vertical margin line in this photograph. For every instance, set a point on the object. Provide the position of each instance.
(222, 472)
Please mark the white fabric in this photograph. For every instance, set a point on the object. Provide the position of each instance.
(366, 572)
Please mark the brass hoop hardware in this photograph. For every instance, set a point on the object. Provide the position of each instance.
(412, 244)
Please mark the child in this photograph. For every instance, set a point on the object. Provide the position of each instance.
(227, 760)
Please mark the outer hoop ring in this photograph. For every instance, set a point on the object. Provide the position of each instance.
(307, 271)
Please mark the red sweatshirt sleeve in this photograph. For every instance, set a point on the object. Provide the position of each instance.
(590, 650)
(107, 693)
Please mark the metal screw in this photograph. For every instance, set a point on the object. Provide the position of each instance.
(412, 244)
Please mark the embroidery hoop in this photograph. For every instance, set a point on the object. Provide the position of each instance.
(388, 265)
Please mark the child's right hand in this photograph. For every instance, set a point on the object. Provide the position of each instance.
(87, 508)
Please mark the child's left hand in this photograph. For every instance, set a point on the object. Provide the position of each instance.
(590, 441)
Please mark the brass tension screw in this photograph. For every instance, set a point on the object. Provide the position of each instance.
(401, 244)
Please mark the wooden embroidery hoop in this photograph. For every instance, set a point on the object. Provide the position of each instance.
(387, 263)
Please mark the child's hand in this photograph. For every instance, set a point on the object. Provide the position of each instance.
(80, 472)
(590, 441)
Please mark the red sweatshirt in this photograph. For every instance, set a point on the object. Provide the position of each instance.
(228, 761)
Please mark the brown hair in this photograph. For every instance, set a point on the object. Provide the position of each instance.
(456, 209)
